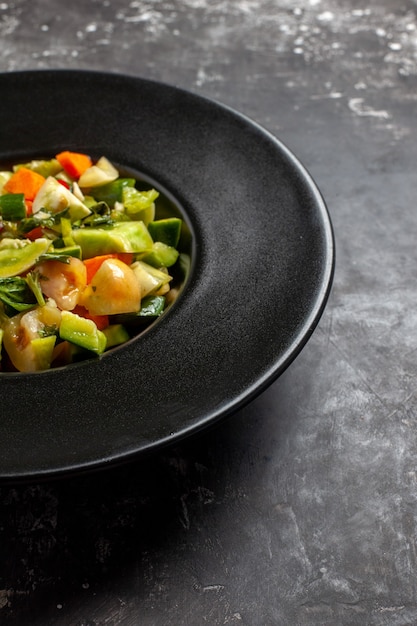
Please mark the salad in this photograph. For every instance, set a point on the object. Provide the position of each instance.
(84, 261)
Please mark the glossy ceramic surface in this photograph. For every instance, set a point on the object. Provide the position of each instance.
(262, 266)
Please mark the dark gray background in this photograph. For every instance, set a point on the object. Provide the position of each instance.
(300, 509)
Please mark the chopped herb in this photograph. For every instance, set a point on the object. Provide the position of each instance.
(16, 294)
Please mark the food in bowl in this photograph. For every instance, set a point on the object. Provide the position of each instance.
(85, 260)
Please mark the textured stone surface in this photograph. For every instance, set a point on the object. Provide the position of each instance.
(301, 508)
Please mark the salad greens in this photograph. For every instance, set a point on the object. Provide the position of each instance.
(84, 260)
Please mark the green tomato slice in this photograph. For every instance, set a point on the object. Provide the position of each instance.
(15, 261)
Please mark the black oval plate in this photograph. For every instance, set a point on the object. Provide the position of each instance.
(263, 258)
